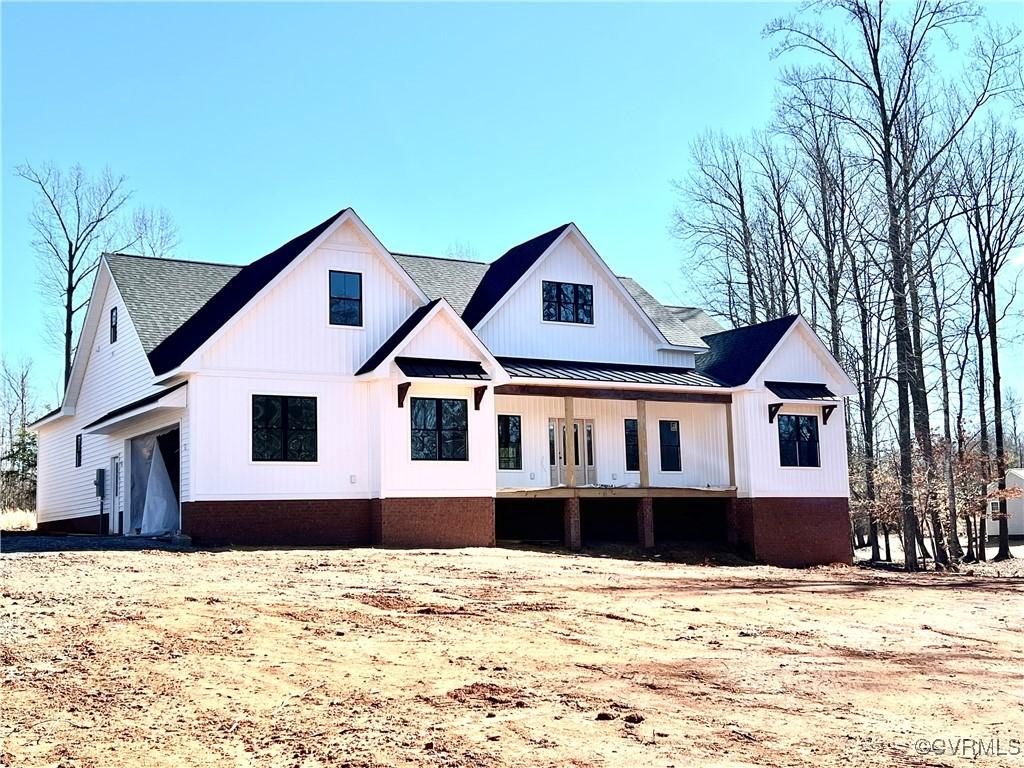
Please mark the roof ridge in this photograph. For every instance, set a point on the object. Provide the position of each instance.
(175, 259)
(441, 258)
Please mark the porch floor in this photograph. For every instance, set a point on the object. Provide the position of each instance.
(619, 492)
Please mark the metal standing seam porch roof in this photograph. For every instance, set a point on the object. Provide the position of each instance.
(619, 373)
(434, 368)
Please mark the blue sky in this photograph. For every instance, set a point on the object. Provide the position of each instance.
(440, 124)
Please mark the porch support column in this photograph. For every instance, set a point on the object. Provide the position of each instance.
(729, 444)
(645, 522)
(570, 445)
(641, 440)
(571, 517)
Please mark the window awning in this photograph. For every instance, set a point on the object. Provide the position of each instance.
(165, 401)
(433, 368)
(798, 390)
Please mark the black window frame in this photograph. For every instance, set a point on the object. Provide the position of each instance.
(632, 449)
(796, 452)
(113, 324)
(559, 303)
(678, 446)
(78, 450)
(331, 298)
(439, 429)
(512, 458)
(286, 429)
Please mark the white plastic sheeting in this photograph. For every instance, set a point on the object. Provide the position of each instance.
(154, 500)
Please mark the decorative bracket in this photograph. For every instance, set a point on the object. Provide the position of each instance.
(478, 396)
(773, 410)
(826, 411)
(403, 390)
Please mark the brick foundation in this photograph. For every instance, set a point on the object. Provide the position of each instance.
(314, 522)
(433, 522)
(792, 532)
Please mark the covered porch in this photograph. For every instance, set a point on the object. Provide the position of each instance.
(643, 457)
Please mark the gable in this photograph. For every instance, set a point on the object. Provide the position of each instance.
(620, 331)
(287, 329)
(440, 337)
(800, 357)
(105, 373)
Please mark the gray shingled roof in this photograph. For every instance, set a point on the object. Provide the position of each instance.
(675, 329)
(453, 279)
(161, 294)
(700, 322)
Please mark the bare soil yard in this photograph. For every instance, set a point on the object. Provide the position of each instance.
(495, 657)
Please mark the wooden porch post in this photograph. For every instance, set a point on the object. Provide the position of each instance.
(570, 444)
(729, 447)
(641, 439)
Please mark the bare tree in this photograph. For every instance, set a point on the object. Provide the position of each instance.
(877, 59)
(72, 220)
(989, 190)
(716, 216)
(152, 232)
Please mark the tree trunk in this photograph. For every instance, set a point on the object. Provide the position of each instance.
(997, 416)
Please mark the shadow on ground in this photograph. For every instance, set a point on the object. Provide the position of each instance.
(13, 542)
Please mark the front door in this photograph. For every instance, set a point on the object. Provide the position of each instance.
(583, 438)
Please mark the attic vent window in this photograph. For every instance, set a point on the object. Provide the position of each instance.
(346, 300)
(568, 302)
(113, 324)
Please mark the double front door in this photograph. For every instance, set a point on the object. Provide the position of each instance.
(558, 451)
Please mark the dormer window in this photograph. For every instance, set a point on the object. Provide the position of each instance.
(568, 302)
(113, 324)
(346, 299)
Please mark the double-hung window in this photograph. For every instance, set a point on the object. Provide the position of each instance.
(283, 428)
(440, 429)
(632, 447)
(798, 441)
(346, 298)
(671, 455)
(568, 302)
(510, 442)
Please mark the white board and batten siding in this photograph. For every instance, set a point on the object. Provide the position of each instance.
(287, 330)
(284, 345)
(758, 465)
(702, 428)
(114, 375)
(618, 334)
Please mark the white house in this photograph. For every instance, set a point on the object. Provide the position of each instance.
(1014, 506)
(334, 392)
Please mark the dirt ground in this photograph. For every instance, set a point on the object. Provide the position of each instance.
(497, 657)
